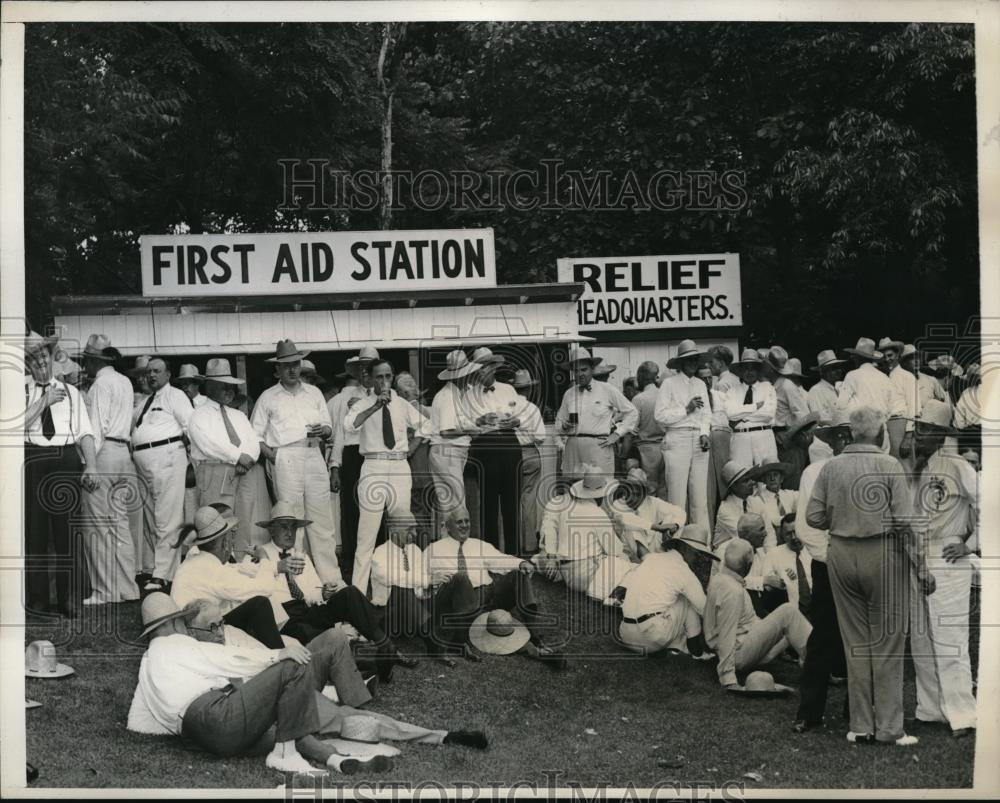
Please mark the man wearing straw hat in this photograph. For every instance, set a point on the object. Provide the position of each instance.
(927, 386)
(685, 412)
(822, 397)
(586, 418)
(649, 432)
(899, 427)
(345, 456)
(791, 401)
(750, 405)
(657, 517)
(531, 434)
(946, 494)
(57, 434)
(292, 423)
(867, 386)
(225, 451)
(740, 499)
(190, 381)
(108, 545)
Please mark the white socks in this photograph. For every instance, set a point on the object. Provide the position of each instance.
(285, 758)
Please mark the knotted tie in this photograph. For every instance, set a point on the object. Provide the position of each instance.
(145, 409)
(388, 434)
(234, 439)
(406, 560)
(746, 504)
(293, 587)
(490, 389)
(781, 507)
(48, 424)
(748, 399)
(805, 593)
(587, 388)
(463, 566)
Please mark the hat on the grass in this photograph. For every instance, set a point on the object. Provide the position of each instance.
(865, 349)
(287, 351)
(40, 661)
(158, 608)
(29, 704)
(359, 728)
(361, 750)
(695, 536)
(282, 512)
(594, 485)
(827, 358)
(685, 350)
(458, 365)
(761, 684)
(496, 632)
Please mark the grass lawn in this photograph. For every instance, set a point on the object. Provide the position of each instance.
(611, 718)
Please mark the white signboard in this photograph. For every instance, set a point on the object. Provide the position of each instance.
(316, 262)
(654, 292)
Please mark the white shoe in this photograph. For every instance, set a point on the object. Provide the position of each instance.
(906, 741)
(288, 762)
(93, 599)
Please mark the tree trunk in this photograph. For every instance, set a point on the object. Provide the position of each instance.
(392, 35)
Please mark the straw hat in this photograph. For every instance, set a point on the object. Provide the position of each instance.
(287, 351)
(936, 414)
(458, 365)
(946, 364)
(696, 537)
(580, 354)
(748, 357)
(158, 608)
(210, 524)
(761, 684)
(404, 518)
(776, 357)
(840, 420)
(34, 341)
(188, 373)
(284, 511)
(784, 468)
(359, 728)
(800, 424)
(522, 379)
(594, 485)
(40, 661)
(793, 367)
(637, 476)
(605, 370)
(484, 356)
(685, 350)
(218, 370)
(366, 356)
(889, 343)
(827, 358)
(141, 366)
(96, 344)
(909, 350)
(733, 472)
(865, 349)
(496, 632)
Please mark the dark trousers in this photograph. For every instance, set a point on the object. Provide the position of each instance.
(306, 622)
(496, 459)
(350, 474)
(255, 617)
(52, 494)
(456, 604)
(406, 615)
(824, 650)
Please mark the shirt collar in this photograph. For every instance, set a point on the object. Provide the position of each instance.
(862, 447)
(107, 369)
(725, 571)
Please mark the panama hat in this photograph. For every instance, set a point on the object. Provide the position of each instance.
(889, 343)
(605, 370)
(762, 469)
(776, 357)
(733, 472)
(696, 537)
(141, 366)
(801, 423)
(287, 351)
(158, 608)
(366, 356)
(865, 349)
(761, 684)
(359, 728)
(210, 524)
(522, 379)
(637, 476)
(909, 350)
(945, 364)
(458, 365)
(594, 485)
(748, 357)
(841, 420)
(40, 661)
(685, 350)
(496, 632)
(284, 511)
(485, 356)
(96, 346)
(827, 358)
(188, 373)
(580, 354)
(218, 370)
(936, 414)
(793, 367)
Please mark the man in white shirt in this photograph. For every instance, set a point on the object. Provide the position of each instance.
(685, 412)
(778, 501)
(531, 434)
(57, 433)
(345, 456)
(900, 427)
(292, 422)
(587, 419)
(822, 397)
(927, 386)
(720, 361)
(967, 418)
(752, 529)
(190, 381)
(659, 517)
(382, 419)
(109, 546)
(867, 386)
(648, 432)
(225, 451)
(740, 499)
(790, 564)
(751, 405)
(462, 570)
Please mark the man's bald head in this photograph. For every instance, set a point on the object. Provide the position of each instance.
(739, 556)
(458, 523)
(751, 527)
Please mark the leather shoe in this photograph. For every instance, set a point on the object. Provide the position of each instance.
(406, 661)
(962, 733)
(803, 725)
(470, 654)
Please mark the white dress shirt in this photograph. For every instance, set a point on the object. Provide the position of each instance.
(822, 399)
(167, 416)
(906, 385)
(658, 583)
(209, 439)
(792, 402)
(947, 499)
(967, 412)
(725, 382)
(204, 576)
(308, 581)
(789, 501)
(280, 416)
(929, 388)
(481, 557)
(781, 561)
(109, 405)
(652, 510)
(499, 398)
(747, 416)
(177, 669)
(573, 529)
(815, 541)
(199, 400)
(449, 411)
(388, 570)
(69, 416)
(867, 386)
(671, 404)
(647, 428)
(597, 410)
(728, 516)
(337, 407)
(404, 416)
(532, 430)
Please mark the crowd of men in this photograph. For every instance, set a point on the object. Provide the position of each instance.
(730, 514)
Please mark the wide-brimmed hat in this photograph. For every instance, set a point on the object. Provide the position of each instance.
(287, 351)
(210, 524)
(605, 370)
(909, 350)
(974, 370)
(944, 364)
(359, 728)
(776, 357)
(308, 367)
(801, 423)
(733, 472)
(696, 537)
(34, 341)
(458, 365)
(158, 608)
(762, 469)
(865, 349)
(141, 365)
(366, 356)
(637, 476)
(594, 485)
(580, 354)
(685, 350)
(889, 343)
(485, 356)
(748, 357)
(41, 661)
(761, 684)
(841, 420)
(218, 370)
(793, 367)
(522, 379)
(496, 632)
(936, 414)
(284, 511)
(827, 358)
(96, 345)
(188, 373)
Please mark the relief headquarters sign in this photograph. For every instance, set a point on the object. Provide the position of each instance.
(316, 262)
(653, 292)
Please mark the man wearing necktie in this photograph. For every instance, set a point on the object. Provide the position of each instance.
(778, 501)
(225, 449)
(57, 432)
(740, 499)
(751, 405)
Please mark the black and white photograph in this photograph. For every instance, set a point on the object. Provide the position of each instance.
(499, 399)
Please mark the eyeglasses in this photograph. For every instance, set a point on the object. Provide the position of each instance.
(216, 628)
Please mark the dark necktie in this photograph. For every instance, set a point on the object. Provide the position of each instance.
(406, 560)
(490, 389)
(388, 435)
(587, 388)
(293, 587)
(48, 425)
(746, 503)
(463, 567)
(145, 409)
(748, 399)
(234, 439)
(805, 593)
(781, 507)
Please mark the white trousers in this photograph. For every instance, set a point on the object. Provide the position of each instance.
(384, 485)
(686, 467)
(753, 448)
(670, 629)
(939, 641)
(300, 476)
(246, 494)
(769, 637)
(107, 541)
(162, 470)
(651, 461)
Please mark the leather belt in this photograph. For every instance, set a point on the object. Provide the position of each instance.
(641, 619)
(385, 456)
(582, 435)
(752, 429)
(117, 440)
(154, 444)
